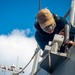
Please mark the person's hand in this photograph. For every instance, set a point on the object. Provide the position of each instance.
(61, 32)
(71, 43)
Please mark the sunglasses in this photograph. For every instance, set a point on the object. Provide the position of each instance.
(49, 27)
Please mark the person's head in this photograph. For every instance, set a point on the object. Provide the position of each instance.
(46, 20)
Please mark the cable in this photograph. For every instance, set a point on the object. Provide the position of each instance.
(37, 49)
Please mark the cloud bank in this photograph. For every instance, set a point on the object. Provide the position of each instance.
(16, 48)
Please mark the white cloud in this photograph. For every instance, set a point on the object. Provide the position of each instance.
(16, 45)
(21, 32)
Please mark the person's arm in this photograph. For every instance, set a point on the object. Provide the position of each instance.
(72, 31)
(40, 40)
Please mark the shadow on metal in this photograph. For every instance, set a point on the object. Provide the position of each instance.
(59, 65)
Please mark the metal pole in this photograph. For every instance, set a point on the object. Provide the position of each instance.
(72, 12)
(17, 63)
(39, 4)
(68, 12)
(36, 59)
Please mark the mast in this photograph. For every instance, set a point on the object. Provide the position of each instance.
(36, 59)
(72, 12)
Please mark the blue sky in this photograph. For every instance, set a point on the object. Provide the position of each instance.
(17, 19)
(20, 14)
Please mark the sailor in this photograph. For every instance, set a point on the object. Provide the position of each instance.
(48, 24)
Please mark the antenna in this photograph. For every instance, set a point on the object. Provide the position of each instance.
(17, 63)
(39, 8)
(39, 4)
(36, 59)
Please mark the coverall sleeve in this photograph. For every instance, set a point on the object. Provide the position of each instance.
(63, 22)
(40, 40)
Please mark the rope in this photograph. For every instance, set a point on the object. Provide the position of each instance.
(37, 49)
